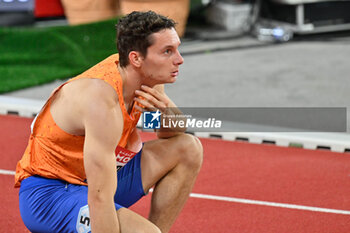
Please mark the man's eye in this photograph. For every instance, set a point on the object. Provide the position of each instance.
(168, 51)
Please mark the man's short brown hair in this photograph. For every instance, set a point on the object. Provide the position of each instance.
(134, 30)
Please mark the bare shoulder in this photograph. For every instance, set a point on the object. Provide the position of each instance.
(82, 93)
(101, 116)
(79, 99)
(95, 99)
(89, 86)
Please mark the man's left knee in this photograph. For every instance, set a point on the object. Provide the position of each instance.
(191, 151)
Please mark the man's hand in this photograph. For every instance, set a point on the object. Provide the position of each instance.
(153, 99)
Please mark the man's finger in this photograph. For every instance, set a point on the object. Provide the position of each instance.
(139, 108)
(155, 93)
(145, 103)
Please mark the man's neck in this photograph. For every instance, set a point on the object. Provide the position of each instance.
(131, 82)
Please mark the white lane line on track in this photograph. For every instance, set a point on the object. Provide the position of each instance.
(271, 204)
(246, 201)
(7, 172)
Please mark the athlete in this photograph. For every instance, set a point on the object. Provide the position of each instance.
(85, 162)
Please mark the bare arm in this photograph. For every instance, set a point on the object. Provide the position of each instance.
(155, 98)
(102, 118)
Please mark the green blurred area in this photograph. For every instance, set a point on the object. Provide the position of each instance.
(33, 56)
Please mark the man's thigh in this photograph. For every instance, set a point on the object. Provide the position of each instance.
(161, 156)
(48, 205)
(54, 206)
(51, 205)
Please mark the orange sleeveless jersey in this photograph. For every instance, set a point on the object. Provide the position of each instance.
(55, 154)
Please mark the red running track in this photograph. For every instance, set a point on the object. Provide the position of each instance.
(231, 169)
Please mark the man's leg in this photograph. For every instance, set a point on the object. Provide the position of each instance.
(49, 205)
(131, 222)
(172, 165)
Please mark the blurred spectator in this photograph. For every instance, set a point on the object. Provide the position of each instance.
(178, 10)
(87, 11)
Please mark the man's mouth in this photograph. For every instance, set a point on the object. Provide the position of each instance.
(175, 73)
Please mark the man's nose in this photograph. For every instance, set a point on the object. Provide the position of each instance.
(179, 59)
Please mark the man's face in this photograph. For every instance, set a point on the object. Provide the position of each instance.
(161, 64)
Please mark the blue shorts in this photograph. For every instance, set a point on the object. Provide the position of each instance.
(48, 205)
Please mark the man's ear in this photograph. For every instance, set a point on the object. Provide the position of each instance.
(135, 58)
